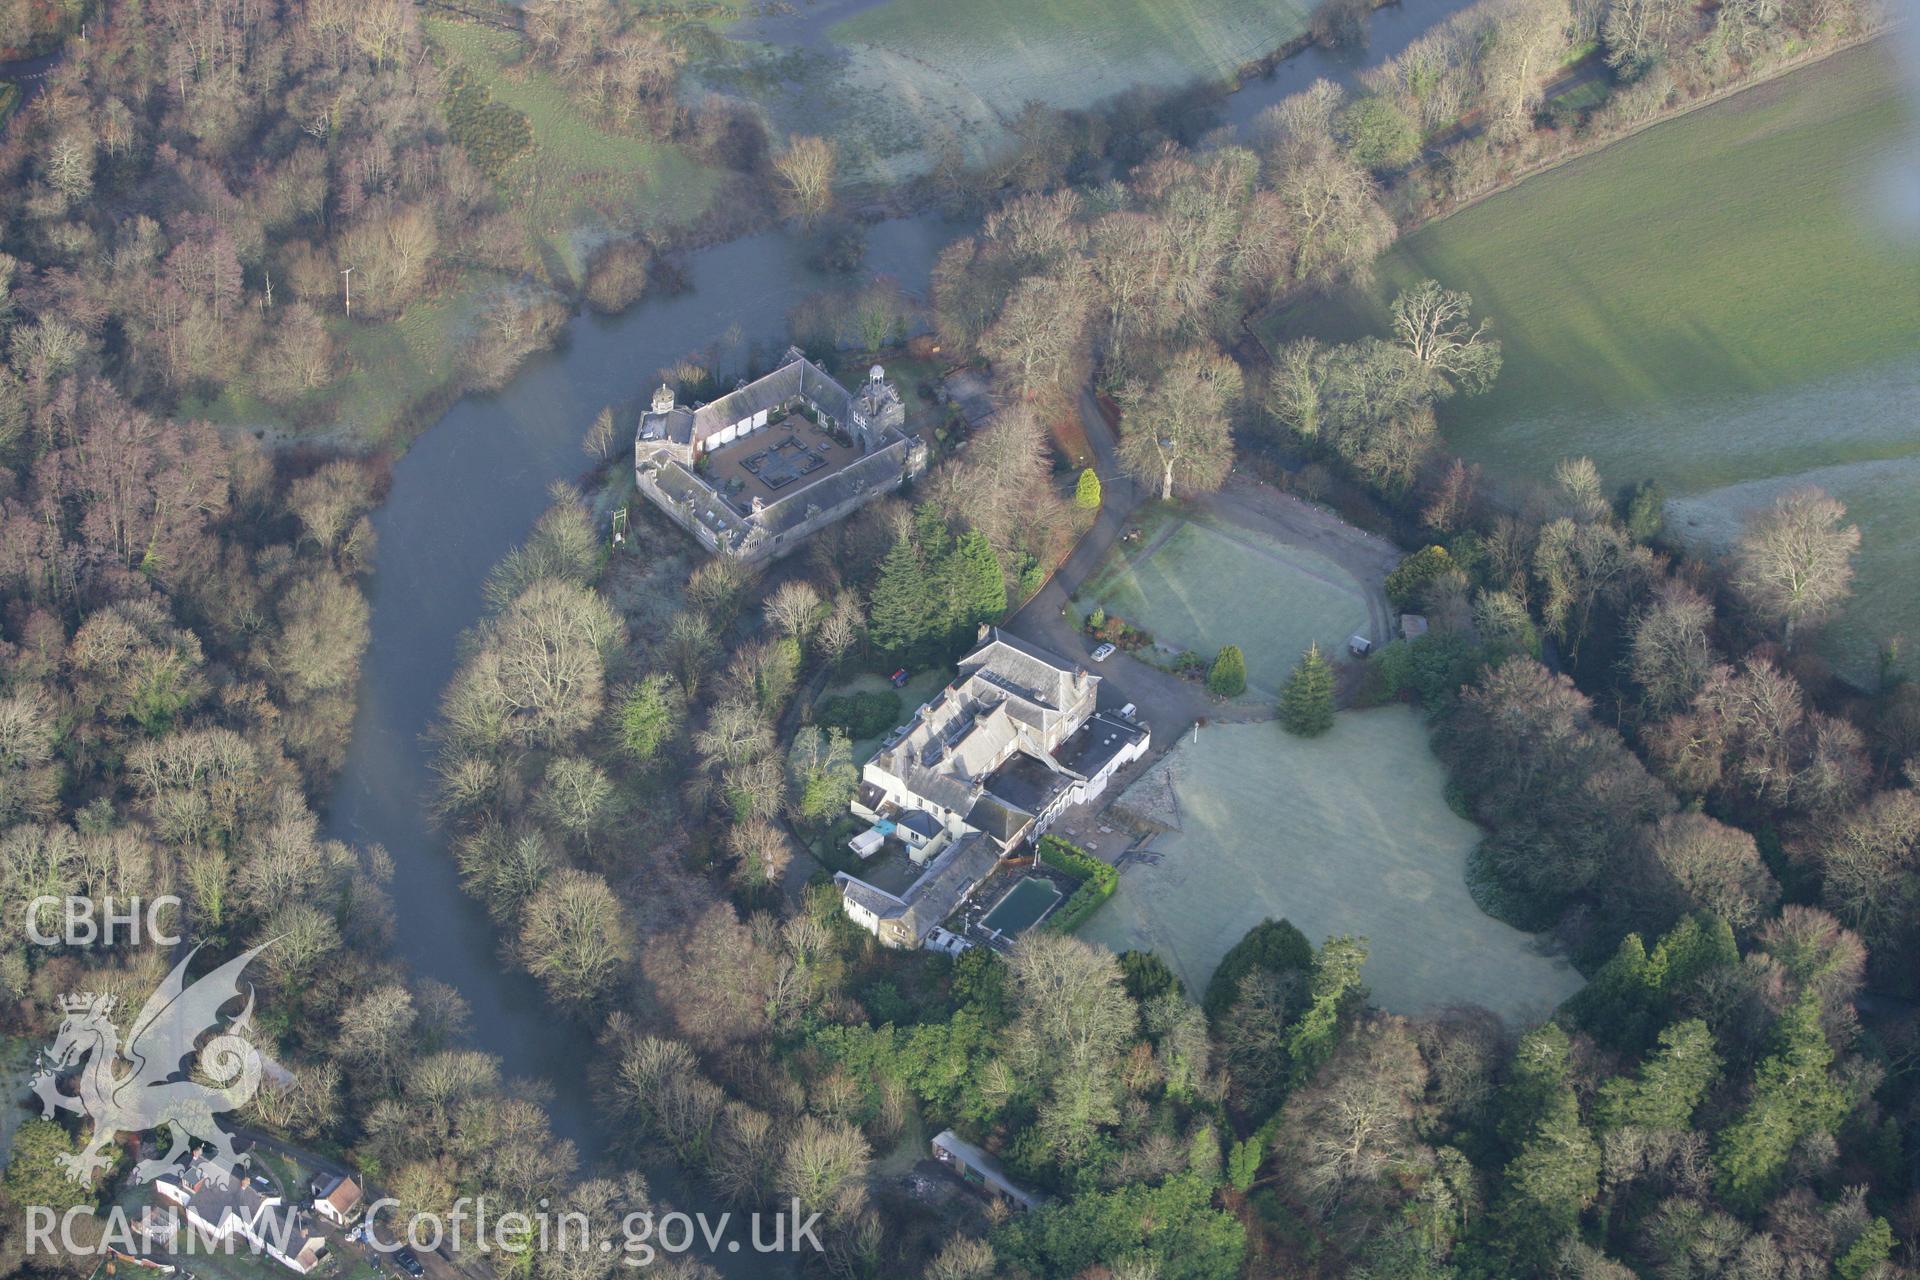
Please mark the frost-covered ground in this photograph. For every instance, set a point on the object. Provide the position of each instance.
(1199, 586)
(899, 82)
(1348, 833)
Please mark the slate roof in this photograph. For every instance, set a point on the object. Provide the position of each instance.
(1004, 822)
(1012, 666)
(801, 377)
(919, 823)
(948, 879)
(880, 469)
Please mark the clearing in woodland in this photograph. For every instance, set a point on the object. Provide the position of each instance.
(898, 83)
(1344, 834)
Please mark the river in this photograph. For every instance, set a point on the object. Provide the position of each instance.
(467, 491)
(464, 494)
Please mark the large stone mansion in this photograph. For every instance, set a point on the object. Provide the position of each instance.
(753, 473)
(978, 774)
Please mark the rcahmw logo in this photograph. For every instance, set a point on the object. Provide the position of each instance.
(131, 1087)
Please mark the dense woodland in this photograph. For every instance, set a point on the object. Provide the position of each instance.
(1722, 835)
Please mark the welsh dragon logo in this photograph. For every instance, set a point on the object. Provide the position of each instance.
(148, 1096)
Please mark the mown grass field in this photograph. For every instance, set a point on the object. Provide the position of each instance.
(1348, 833)
(1718, 302)
(1199, 586)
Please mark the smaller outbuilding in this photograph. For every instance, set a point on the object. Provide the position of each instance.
(982, 1170)
(337, 1199)
(1412, 626)
(1358, 645)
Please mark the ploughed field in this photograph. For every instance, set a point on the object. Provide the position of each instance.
(1726, 303)
(1347, 833)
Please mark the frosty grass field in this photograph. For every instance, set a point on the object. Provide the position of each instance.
(1199, 586)
(1721, 303)
(921, 75)
(1349, 833)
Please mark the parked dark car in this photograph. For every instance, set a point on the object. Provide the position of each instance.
(408, 1261)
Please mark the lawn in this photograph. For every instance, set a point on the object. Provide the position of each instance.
(920, 687)
(1729, 277)
(1198, 586)
(1348, 833)
(1073, 53)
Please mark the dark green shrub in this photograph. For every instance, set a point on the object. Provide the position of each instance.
(862, 715)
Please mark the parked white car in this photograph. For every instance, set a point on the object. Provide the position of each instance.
(1102, 653)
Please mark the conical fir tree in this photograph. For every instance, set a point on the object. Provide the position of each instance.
(1227, 677)
(1086, 494)
(979, 589)
(902, 605)
(1306, 704)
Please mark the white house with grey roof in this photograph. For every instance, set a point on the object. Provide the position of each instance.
(756, 471)
(981, 771)
(227, 1210)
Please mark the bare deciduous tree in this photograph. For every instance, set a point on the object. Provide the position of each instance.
(1175, 437)
(1715, 868)
(806, 168)
(1436, 325)
(575, 937)
(1670, 655)
(794, 608)
(1794, 561)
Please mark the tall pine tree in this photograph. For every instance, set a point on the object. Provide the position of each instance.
(1794, 1096)
(901, 615)
(977, 590)
(1669, 1084)
(1306, 703)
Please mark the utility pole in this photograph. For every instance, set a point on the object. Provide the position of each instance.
(348, 273)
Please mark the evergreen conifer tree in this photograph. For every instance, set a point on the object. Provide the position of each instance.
(1306, 703)
(1227, 677)
(1086, 494)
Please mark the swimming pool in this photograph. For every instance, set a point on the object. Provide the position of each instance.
(1021, 907)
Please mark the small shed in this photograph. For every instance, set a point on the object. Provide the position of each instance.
(982, 1170)
(1412, 626)
(868, 842)
(1358, 645)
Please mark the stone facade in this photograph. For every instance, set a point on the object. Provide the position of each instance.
(755, 472)
(980, 772)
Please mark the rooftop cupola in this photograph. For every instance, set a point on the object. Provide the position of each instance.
(663, 399)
